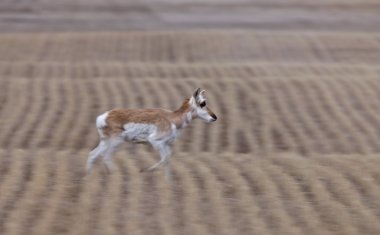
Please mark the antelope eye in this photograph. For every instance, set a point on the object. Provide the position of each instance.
(203, 104)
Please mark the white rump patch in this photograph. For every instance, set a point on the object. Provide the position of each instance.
(101, 120)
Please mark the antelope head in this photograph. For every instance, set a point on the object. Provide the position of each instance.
(200, 107)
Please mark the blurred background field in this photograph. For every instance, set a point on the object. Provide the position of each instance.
(295, 85)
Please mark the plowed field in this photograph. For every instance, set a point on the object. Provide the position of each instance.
(295, 150)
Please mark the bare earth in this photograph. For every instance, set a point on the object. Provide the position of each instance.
(296, 148)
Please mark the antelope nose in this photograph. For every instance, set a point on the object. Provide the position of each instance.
(214, 117)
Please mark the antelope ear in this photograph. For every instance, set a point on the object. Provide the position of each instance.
(203, 91)
(196, 93)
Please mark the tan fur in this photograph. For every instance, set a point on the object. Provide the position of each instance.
(177, 117)
(163, 119)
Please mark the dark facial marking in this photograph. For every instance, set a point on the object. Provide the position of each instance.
(202, 104)
(213, 116)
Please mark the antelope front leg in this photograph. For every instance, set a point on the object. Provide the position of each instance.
(165, 153)
(168, 152)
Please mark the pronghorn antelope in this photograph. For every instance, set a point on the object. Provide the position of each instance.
(158, 127)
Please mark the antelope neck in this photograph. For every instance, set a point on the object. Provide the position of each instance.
(183, 116)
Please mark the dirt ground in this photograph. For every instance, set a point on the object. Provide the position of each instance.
(295, 150)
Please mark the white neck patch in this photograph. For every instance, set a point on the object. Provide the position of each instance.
(188, 119)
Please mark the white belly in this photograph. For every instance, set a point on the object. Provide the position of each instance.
(137, 132)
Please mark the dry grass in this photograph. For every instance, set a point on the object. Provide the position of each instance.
(229, 193)
(295, 149)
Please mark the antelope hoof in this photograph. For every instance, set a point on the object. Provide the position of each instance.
(145, 170)
(149, 169)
